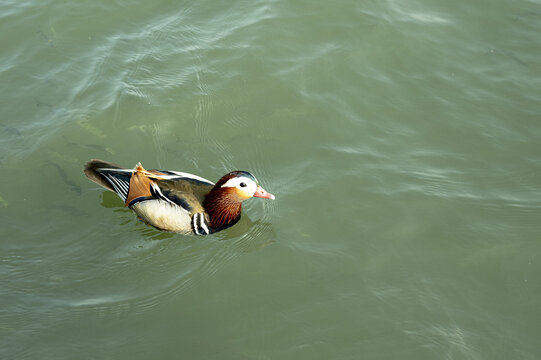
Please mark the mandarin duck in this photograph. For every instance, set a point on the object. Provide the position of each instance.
(177, 201)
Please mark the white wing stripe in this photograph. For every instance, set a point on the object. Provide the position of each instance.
(164, 176)
(117, 170)
(186, 175)
(116, 189)
(160, 194)
(111, 181)
(126, 187)
(120, 186)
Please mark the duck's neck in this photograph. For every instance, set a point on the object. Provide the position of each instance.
(222, 207)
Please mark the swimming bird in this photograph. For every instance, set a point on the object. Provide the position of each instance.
(178, 201)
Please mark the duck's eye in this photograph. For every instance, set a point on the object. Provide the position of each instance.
(242, 184)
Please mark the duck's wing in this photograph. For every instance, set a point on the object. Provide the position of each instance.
(109, 175)
(134, 185)
(177, 188)
(184, 189)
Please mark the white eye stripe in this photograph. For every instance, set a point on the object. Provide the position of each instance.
(249, 185)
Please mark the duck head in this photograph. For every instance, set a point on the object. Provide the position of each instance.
(243, 185)
(224, 202)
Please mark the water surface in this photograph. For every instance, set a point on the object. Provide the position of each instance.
(401, 139)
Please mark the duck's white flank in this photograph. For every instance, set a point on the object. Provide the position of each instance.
(164, 215)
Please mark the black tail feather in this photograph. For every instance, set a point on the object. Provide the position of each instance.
(92, 168)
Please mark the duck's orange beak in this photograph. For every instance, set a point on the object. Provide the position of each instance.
(262, 193)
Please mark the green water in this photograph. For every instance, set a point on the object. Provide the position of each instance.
(402, 140)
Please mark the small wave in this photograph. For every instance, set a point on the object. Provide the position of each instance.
(404, 12)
